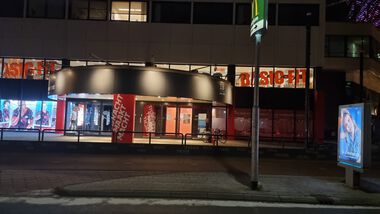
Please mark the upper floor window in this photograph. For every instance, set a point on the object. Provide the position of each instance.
(46, 9)
(295, 14)
(212, 13)
(134, 11)
(88, 9)
(12, 8)
(171, 12)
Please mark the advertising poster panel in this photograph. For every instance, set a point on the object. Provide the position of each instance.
(27, 114)
(354, 135)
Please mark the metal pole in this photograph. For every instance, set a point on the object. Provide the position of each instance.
(361, 76)
(307, 81)
(255, 120)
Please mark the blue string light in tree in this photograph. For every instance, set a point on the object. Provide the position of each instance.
(365, 11)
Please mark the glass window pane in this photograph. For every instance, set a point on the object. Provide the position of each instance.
(284, 78)
(266, 77)
(162, 65)
(137, 64)
(98, 9)
(36, 8)
(206, 69)
(52, 66)
(243, 76)
(1, 67)
(219, 71)
(295, 14)
(180, 67)
(77, 63)
(272, 14)
(96, 63)
(12, 8)
(138, 12)
(171, 12)
(118, 63)
(34, 69)
(55, 9)
(354, 46)
(335, 46)
(212, 13)
(301, 77)
(12, 68)
(79, 9)
(366, 47)
(120, 11)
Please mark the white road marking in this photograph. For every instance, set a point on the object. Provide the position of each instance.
(68, 201)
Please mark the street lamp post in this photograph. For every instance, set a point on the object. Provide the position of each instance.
(255, 129)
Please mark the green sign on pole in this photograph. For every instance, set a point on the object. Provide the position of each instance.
(259, 14)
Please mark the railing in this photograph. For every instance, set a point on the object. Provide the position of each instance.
(149, 135)
(211, 139)
(2, 130)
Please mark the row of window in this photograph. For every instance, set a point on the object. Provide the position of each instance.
(352, 46)
(161, 11)
(270, 77)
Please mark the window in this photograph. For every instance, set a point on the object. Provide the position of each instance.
(13, 68)
(295, 14)
(353, 46)
(98, 9)
(212, 13)
(243, 14)
(171, 12)
(335, 46)
(12, 8)
(134, 11)
(337, 13)
(1, 67)
(46, 9)
(88, 9)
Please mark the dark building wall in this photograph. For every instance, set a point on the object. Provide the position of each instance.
(332, 85)
(22, 89)
(273, 98)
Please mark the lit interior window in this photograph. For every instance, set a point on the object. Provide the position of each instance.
(129, 11)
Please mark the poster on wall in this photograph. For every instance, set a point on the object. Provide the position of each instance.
(354, 135)
(149, 118)
(27, 114)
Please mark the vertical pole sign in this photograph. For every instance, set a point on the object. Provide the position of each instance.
(259, 24)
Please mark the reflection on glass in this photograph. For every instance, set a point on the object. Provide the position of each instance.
(354, 46)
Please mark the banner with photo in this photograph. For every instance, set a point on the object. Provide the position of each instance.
(27, 114)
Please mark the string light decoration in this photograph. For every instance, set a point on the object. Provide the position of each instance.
(365, 11)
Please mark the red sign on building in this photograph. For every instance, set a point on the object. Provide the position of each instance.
(123, 118)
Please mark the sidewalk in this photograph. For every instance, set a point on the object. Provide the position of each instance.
(224, 186)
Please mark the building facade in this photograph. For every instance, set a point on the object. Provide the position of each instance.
(40, 37)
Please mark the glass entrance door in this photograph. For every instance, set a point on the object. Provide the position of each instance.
(92, 117)
(185, 119)
(171, 119)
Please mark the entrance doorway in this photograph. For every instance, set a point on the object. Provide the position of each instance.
(89, 116)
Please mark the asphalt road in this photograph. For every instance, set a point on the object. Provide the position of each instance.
(164, 206)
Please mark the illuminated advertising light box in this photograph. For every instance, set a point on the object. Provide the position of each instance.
(27, 114)
(354, 136)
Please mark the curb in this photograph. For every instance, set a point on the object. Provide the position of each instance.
(321, 200)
